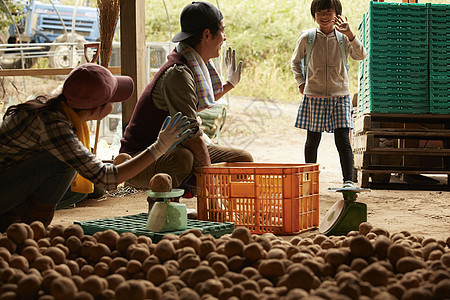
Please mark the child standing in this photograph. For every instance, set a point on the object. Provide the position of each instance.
(326, 104)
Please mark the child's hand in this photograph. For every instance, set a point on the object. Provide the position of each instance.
(301, 88)
(343, 26)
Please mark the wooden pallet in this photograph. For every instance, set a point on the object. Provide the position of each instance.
(400, 143)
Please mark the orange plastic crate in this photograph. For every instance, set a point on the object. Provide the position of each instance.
(264, 197)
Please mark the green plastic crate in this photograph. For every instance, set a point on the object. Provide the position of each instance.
(136, 224)
(439, 94)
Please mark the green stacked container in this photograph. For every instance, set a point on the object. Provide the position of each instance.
(394, 75)
(439, 57)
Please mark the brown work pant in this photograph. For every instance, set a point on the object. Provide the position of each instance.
(179, 164)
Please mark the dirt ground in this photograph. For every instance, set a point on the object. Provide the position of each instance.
(265, 129)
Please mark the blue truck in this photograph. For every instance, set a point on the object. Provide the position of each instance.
(51, 30)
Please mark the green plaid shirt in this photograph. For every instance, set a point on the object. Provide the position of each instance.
(24, 134)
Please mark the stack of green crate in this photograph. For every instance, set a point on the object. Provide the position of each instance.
(439, 57)
(394, 75)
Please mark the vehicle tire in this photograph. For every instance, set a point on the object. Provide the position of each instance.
(59, 55)
(13, 62)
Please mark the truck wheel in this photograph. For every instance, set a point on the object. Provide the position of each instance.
(13, 62)
(59, 55)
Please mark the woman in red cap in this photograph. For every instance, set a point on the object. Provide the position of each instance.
(44, 146)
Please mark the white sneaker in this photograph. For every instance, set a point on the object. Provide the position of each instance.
(349, 185)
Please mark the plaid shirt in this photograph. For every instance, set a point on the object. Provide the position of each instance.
(24, 134)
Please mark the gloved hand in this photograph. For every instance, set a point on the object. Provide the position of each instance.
(173, 131)
(233, 73)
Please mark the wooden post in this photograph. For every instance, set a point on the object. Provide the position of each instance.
(132, 51)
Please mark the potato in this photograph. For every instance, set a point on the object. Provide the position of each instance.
(219, 267)
(236, 263)
(364, 228)
(253, 252)
(73, 230)
(55, 230)
(73, 267)
(125, 240)
(29, 286)
(395, 252)
(358, 264)
(114, 280)
(39, 230)
(44, 242)
(190, 240)
(375, 274)
(56, 254)
(205, 248)
(382, 243)
(157, 274)
(271, 268)
(150, 261)
(442, 289)
(161, 182)
(83, 295)
(73, 243)
(63, 270)
(188, 261)
(120, 158)
(211, 286)
(409, 264)
(335, 257)
(360, 246)
(234, 247)
(86, 271)
(57, 240)
(19, 262)
(416, 293)
(97, 251)
(265, 242)
(101, 269)
(63, 288)
(430, 247)
(131, 290)
(396, 290)
(380, 231)
(242, 233)
(164, 250)
(134, 266)
(18, 233)
(94, 284)
(200, 274)
(43, 263)
(109, 237)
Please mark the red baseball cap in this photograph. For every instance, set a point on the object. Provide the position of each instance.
(90, 85)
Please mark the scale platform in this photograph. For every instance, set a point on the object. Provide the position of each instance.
(346, 214)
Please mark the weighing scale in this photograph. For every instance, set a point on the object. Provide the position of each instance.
(346, 214)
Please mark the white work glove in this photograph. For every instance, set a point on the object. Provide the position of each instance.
(173, 131)
(233, 73)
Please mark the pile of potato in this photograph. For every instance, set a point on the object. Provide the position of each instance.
(63, 263)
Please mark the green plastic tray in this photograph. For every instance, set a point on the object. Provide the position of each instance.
(136, 224)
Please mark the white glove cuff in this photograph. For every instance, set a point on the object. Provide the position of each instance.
(155, 151)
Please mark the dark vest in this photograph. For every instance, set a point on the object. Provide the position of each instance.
(147, 119)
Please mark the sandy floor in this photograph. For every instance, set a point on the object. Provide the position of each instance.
(266, 130)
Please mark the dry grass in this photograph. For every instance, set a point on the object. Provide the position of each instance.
(109, 14)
